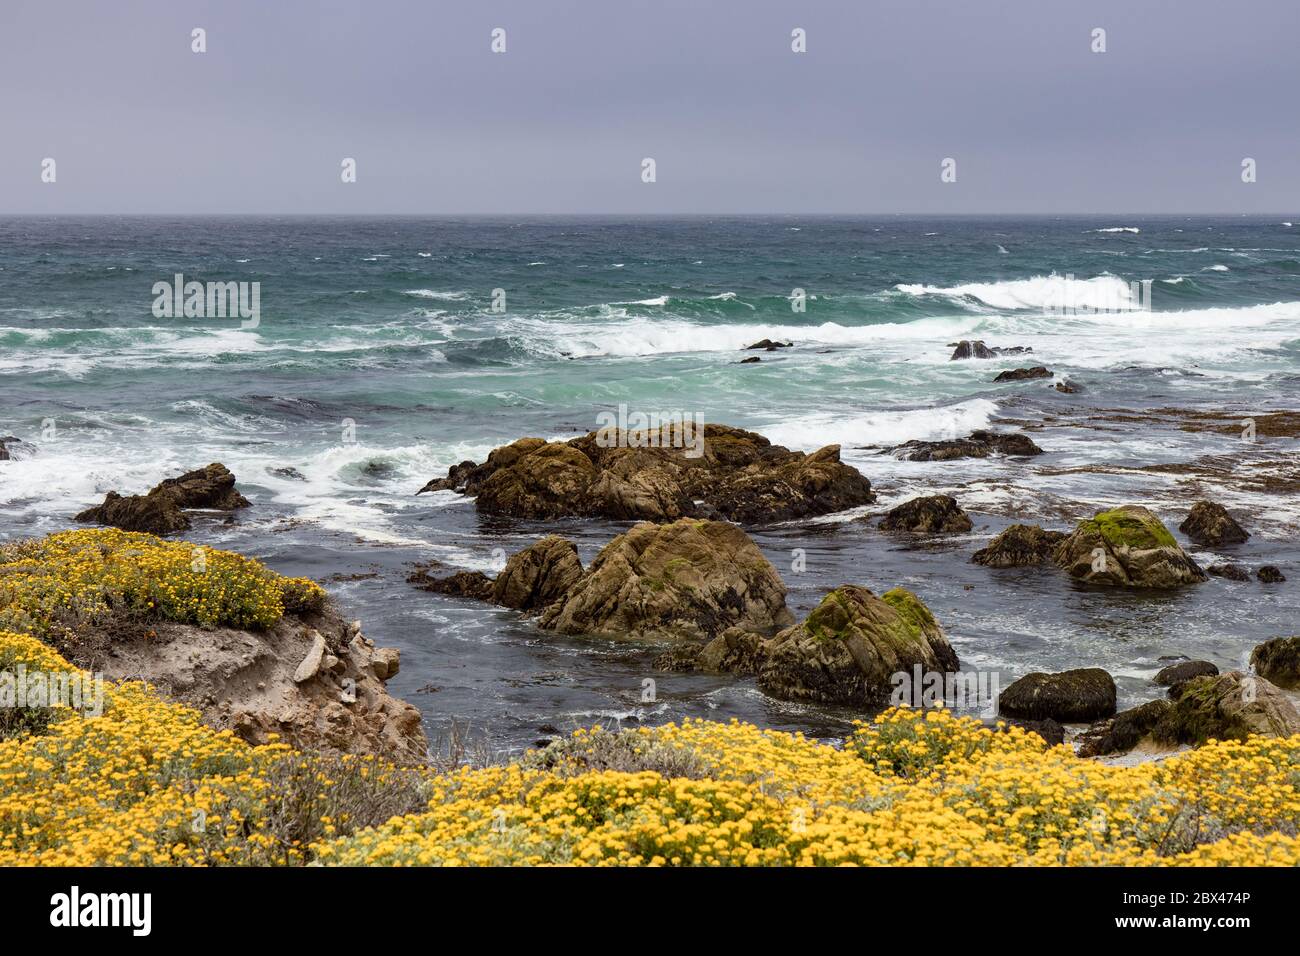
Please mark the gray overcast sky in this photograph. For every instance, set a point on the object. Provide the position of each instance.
(735, 121)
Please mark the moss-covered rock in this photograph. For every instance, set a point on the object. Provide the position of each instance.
(1124, 731)
(847, 649)
(1278, 661)
(1231, 706)
(1074, 696)
(1127, 547)
(689, 580)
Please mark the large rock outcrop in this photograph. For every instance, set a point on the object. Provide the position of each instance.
(1278, 661)
(1127, 547)
(163, 510)
(1210, 524)
(1074, 696)
(688, 580)
(1020, 546)
(659, 475)
(850, 645)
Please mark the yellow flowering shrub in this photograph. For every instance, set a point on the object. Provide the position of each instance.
(914, 789)
(53, 583)
(147, 783)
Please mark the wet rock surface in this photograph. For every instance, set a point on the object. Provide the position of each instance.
(659, 475)
(933, 514)
(1073, 696)
(1278, 661)
(689, 580)
(163, 510)
(1023, 374)
(978, 444)
(1020, 546)
(1210, 524)
(848, 647)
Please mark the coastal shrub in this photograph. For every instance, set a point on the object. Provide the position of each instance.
(147, 783)
(49, 586)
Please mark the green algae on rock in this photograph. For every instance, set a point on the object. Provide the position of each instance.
(1126, 547)
(849, 646)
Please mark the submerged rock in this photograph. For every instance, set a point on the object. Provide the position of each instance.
(1068, 387)
(1231, 706)
(768, 345)
(1184, 670)
(1124, 731)
(539, 575)
(1210, 524)
(1126, 547)
(162, 510)
(934, 514)
(1278, 661)
(850, 645)
(1233, 572)
(470, 584)
(660, 475)
(1073, 696)
(688, 580)
(1023, 374)
(1270, 574)
(1020, 546)
(978, 444)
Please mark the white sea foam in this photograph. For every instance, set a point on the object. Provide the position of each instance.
(1041, 292)
(435, 294)
(892, 427)
(1132, 229)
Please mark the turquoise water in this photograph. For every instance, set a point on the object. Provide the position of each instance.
(379, 361)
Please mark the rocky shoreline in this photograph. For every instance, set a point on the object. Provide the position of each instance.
(689, 578)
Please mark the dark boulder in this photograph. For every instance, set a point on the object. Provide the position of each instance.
(1270, 574)
(1068, 387)
(1021, 545)
(967, 349)
(1023, 374)
(768, 345)
(1278, 661)
(1184, 670)
(978, 444)
(1073, 696)
(1210, 524)
(469, 584)
(1233, 572)
(162, 510)
(933, 514)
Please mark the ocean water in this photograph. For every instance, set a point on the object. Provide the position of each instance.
(379, 361)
